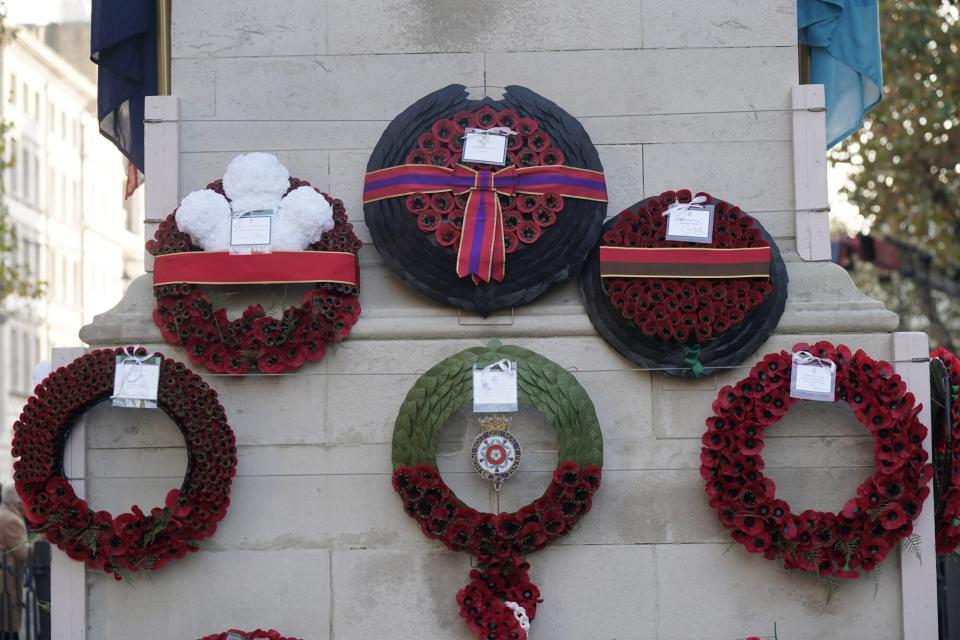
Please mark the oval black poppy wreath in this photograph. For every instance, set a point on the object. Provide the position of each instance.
(499, 542)
(131, 542)
(547, 231)
(834, 545)
(685, 325)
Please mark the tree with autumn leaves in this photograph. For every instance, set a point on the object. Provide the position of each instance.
(906, 159)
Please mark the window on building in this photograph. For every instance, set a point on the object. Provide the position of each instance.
(51, 117)
(77, 202)
(77, 285)
(36, 106)
(35, 250)
(57, 280)
(25, 98)
(25, 162)
(14, 167)
(64, 198)
(35, 182)
(15, 363)
(28, 360)
(63, 125)
(12, 91)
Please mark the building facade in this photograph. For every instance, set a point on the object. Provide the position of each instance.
(64, 191)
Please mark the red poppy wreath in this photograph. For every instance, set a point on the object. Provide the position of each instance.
(259, 634)
(947, 454)
(685, 308)
(834, 545)
(311, 242)
(134, 541)
(476, 235)
(500, 598)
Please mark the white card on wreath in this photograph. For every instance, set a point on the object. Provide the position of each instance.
(813, 378)
(136, 382)
(495, 388)
(251, 229)
(690, 224)
(485, 148)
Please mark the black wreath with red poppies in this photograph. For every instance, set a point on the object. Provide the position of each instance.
(836, 545)
(946, 442)
(547, 237)
(259, 634)
(187, 316)
(687, 327)
(135, 541)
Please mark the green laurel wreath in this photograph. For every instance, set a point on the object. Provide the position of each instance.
(541, 383)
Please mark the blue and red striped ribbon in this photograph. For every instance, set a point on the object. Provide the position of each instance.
(482, 253)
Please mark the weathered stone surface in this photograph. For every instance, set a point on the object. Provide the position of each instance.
(379, 593)
(398, 26)
(358, 87)
(655, 81)
(671, 24)
(710, 591)
(757, 176)
(626, 575)
(209, 592)
(221, 28)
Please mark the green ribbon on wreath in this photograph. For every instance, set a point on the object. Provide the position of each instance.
(692, 359)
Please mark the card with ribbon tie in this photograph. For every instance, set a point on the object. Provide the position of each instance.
(482, 236)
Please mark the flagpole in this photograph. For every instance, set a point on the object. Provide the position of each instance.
(163, 47)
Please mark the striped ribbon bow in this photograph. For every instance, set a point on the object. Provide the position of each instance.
(482, 253)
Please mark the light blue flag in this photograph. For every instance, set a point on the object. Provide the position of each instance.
(844, 40)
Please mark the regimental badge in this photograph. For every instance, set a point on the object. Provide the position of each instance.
(496, 453)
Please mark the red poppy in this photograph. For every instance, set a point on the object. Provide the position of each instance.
(893, 517)
(446, 235)
(444, 129)
(528, 232)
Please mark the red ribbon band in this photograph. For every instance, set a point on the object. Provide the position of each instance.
(482, 253)
(219, 267)
(686, 262)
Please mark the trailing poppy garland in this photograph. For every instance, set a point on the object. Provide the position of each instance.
(259, 634)
(836, 545)
(947, 457)
(134, 541)
(682, 307)
(257, 341)
(478, 236)
(499, 586)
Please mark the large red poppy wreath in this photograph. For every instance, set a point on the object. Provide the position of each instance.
(187, 316)
(843, 544)
(138, 540)
(947, 451)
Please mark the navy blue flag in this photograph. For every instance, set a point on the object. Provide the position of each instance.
(123, 43)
